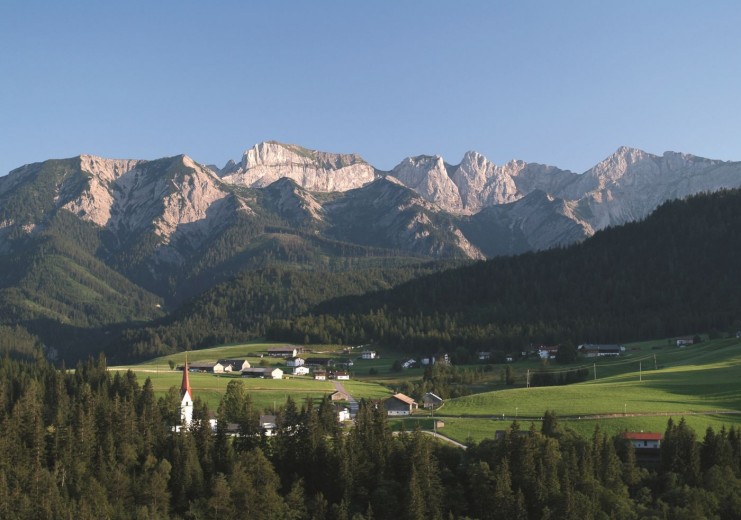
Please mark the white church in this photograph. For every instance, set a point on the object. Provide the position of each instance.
(186, 399)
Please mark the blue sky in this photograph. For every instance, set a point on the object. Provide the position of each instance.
(556, 82)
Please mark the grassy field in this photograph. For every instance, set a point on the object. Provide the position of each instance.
(266, 393)
(698, 382)
(638, 391)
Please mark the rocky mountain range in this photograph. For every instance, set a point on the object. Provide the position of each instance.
(165, 221)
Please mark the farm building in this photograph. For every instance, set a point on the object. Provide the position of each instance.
(342, 376)
(400, 404)
(264, 373)
(230, 365)
(368, 354)
(644, 440)
(319, 362)
(339, 396)
(320, 375)
(300, 371)
(285, 352)
(592, 350)
(430, 400)
(201, 366)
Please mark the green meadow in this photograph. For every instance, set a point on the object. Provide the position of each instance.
(698, 382)
(639, 391)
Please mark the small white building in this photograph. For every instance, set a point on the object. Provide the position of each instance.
(268, 425)
(320, 375)
(295, 362)
(342, 376)
(547, 352)
(343, 415)
(368, 354)
(300, 371)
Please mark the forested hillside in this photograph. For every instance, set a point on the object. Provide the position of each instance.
(87, 444)
(245, 306)
(674, 273)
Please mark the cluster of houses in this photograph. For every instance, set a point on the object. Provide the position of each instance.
(587, 350)
(268, 423)
(322, 368)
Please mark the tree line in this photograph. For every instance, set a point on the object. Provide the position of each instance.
(89, 443)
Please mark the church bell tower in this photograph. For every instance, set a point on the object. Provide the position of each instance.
(186, 398)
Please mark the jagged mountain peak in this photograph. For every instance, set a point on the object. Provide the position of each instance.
(274, 153)
(268, 161)
(623, 156)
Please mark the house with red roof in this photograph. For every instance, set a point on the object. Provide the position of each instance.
(644, 440)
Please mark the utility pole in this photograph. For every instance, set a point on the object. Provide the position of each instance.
(527, 380)
(655, 367)
(640, 371)
(595, 371)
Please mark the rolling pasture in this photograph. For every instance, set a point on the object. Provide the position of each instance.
(698, 382)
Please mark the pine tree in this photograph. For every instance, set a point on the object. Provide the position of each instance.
(220, 505)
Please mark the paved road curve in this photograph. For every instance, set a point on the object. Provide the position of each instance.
(352, 403)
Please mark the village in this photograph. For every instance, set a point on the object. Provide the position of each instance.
(289, 361)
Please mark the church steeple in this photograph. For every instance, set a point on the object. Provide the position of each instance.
(185, 385)
(186, 397)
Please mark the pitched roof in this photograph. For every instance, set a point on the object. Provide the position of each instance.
(643, 436)
(431, 396)
(404, 398)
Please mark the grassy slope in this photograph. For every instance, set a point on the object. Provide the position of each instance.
(699, 379)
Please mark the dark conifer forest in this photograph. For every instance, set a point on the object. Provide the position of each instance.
(91, 444)
(674, 273)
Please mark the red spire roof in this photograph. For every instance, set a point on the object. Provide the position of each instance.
(185, 385)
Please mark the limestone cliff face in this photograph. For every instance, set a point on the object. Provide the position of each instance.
(631, 183)
(428, 176)
(476, 182)
(134, 196)
(267, 162)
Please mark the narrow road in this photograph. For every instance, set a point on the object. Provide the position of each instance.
(352, 403)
